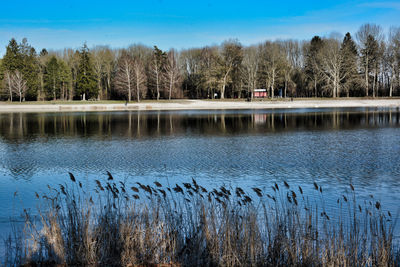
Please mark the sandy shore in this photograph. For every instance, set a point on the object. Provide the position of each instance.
(199, 104)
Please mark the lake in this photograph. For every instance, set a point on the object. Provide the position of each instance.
(333, 147)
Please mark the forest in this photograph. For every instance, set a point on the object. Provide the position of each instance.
(364, 65)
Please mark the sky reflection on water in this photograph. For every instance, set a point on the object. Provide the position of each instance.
(333, 147)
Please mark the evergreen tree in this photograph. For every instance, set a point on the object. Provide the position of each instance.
(369, 56)
(21, 57)
(349, 64)
(30, 70)
(52, 78)
(11, 62)
(86, 82)
(369, 37)
(65, 79)
(42, 59)
(313, 63)
(158, 69)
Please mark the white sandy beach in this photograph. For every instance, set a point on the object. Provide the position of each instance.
(198, 105)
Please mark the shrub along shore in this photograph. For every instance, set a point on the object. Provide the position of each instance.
(135, 224)
(65, 106)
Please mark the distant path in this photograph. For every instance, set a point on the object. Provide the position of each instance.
(197, 104)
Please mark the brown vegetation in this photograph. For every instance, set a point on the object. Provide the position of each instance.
(189, 225)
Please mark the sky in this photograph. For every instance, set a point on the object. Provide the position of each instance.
(183, 24)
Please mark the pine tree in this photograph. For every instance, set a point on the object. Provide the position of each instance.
(369, 37)
(313, 63)
(349, 64)
(158, 67)
(30, 70)
(52, 78)
(369, 56)
(86, 82)
(11, 62)
(65, 77)
(42, 59)
(21, 57)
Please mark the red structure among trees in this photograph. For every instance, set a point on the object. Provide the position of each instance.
(260, 93)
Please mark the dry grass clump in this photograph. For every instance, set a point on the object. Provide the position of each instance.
(189, 225)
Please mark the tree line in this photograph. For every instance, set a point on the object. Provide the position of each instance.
(367, 64)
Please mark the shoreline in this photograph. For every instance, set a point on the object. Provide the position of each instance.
(77, 106)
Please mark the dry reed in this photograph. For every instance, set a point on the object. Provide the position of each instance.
(188, 225)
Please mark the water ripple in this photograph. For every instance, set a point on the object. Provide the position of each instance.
(246, 148)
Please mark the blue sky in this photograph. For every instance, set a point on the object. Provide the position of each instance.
(183, 24)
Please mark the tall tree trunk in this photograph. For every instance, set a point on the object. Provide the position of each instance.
(129, 91)
(158, 86)
(273, 83)
(391, 86)
(251, 86)
(9, 86)
(239, 89)
(334, 89)
(137, 90)
(54, 89)
(223, 90)
(223, 86)
(366, 77)
(39, 95)
(374, 85)
(70, 95)
(286, 84)
(315, 87)
(170, 87)
(100, 95)
(108, 85)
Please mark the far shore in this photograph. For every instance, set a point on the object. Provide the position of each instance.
(65, 106)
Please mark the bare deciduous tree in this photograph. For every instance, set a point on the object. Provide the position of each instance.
(231, 56)
(18, 84)
(272, 57)
(251, 62)
(139, 78)
(208, 69)
(8, 83)
(172, 72)
(331, 67)
(99, 68)
(393, 58)
(124, 78)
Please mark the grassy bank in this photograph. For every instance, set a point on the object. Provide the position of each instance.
(188, 225)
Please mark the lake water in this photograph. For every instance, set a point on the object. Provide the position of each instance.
(333, 147)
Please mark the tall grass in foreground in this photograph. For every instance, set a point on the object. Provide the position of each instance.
(188, 225)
